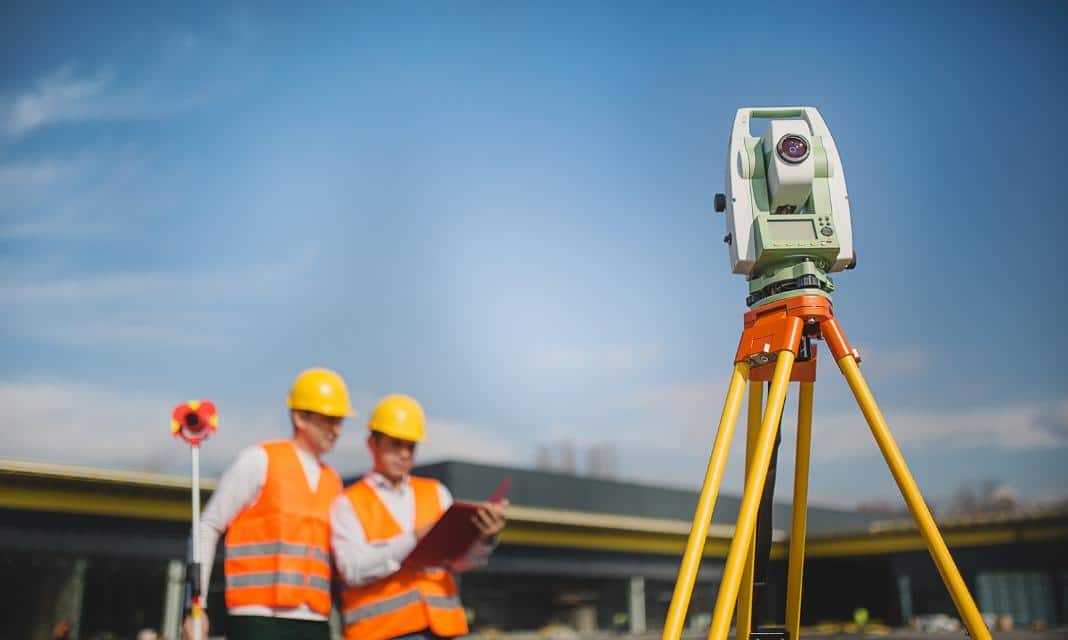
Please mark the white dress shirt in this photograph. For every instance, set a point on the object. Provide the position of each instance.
(360, 562)
(238, 490)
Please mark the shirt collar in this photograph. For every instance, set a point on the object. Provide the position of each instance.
(306, 456)
(381, 482)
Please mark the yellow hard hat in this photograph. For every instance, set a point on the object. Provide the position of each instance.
(399, 416)
(321, 391)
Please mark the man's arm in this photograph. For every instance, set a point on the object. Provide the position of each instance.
(358, 561)
(238, 489)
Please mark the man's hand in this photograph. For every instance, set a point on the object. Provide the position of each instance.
(187, 627)
(490, 519)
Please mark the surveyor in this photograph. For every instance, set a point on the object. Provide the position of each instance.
(274, 504)
(379, 519)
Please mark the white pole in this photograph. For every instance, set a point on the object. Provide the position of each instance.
(197, 613)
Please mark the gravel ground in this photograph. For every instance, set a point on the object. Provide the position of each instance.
(896, 634)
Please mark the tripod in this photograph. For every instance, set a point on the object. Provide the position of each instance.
(776, 334)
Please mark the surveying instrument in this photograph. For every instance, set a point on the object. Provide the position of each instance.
(193, 422)
(788, 226)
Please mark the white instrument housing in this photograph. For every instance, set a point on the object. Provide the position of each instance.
(784, 183)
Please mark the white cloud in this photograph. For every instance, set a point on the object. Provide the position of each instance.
(668, 432)
(93, 288)
(36, 174)
(57, 97)
(883, 363)
(183, 70)
(94, 425)
(684, 414)
(175, 330)
(130, 326)
(1011, 427)
(248, 281)
(80, 192)
(72, 95)
(97, 425)
(457, 440)
(81, 423)
(143, 308)
(76, 193)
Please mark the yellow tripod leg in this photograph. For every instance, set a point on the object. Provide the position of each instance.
(754, 487)
(924, 521)
(743, 617)
(796, 563)
(702, 518)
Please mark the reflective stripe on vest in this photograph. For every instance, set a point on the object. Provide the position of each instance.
(390, 605)
(276, 548)
(277, 577)
(443, 602)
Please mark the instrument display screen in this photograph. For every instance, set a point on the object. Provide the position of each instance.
(792, 230)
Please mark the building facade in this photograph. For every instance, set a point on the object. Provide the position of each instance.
(106, 551)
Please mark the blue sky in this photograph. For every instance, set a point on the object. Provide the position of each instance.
(506, 211)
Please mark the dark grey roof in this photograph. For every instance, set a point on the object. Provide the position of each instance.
(469, 481)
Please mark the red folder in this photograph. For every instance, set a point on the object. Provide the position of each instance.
(452, 535)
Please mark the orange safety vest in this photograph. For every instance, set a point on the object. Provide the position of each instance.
(278, 550)
(408, 600)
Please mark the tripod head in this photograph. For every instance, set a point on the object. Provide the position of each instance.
(787, 207)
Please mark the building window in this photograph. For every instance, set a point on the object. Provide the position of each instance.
(1027, 596)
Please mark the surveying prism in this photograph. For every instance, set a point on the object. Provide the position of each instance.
(788, 227)
(193, 422)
